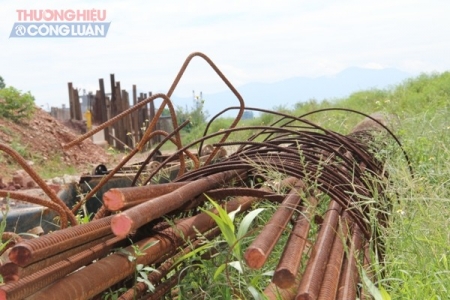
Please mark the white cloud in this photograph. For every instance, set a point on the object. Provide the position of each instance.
(250, 41)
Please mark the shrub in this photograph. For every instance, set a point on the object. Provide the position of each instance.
(15, 105)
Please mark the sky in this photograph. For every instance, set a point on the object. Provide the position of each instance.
(249, 41)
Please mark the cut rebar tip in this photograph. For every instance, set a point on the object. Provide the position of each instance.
(113, 200)
(255, 258)
(21, 254)
(121, 225)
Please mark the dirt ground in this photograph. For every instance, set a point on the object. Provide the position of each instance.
(41, 139)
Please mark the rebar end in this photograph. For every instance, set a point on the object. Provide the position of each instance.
(255, 258)
(121, 225)
(113, 200)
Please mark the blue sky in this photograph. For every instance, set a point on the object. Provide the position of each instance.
(250, 41)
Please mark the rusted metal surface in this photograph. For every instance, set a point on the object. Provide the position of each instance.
(258, 252)
(287, 270)
(350, 278)
(120, 199)
(133, 218)
(312, 277)
(42, 278)
(34, 250)
(13, 272)
(295, 164)
(329, 284)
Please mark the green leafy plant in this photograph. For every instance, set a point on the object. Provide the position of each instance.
(114, 294)
(225, 221)
(231, 236)
(378, 293)
(15, 105)
(141, 271)
(83, 218)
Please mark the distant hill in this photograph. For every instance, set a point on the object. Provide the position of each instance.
(299, 89)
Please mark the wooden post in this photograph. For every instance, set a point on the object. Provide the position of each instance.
(142, 117)
(146, 118)
(146, 115)
(115, 110)
(71, 102)
(113, 104)
(154, 140)
(120, 128)
(76, 99)
(113, 85)
(104, 110)
(135, 117)
(128, 125)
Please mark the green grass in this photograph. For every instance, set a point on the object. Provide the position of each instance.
(51, 168)
(417, 239)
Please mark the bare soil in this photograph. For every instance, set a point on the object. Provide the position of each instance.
(40, 140)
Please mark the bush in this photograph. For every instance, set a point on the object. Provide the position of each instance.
(15, 105)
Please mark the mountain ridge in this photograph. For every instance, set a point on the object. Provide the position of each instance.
(288, 92)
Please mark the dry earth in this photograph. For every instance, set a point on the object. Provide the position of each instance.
(40, 140)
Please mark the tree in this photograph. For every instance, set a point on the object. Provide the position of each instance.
(16, 105)
(2, 83)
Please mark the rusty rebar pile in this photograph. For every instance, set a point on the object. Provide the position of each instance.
(297, 165)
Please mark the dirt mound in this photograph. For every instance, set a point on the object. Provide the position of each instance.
(41, 139)
(77, 126)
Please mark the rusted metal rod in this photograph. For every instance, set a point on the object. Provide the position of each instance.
(122, 198)
(286, 273)
(31, 251)
(350, 276)
(133, 218)
(260, 249)
(330, 282)
(225, 80)
(13, 272)
(312, 277)
(30, 284)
